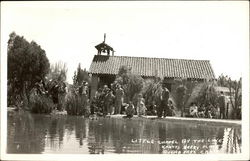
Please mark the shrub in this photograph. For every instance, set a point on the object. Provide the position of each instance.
(207, 94)
(152, 92)
(77, 105)
(131, 83)
(41, 104)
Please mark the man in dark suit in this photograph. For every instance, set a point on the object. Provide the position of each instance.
(222, 105)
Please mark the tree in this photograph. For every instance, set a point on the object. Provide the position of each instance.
(207, 94)
(182, 91)
(27, 64)
(131, 83)
(56, 83)
(81, 75)
(134, 86)
(152, 91)
(123, 75)
(235, 93)
(223, 81)
(58, 72)
(180, 97)
(235, 97)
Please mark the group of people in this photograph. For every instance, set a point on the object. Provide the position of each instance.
(202, 111)
(54, 89)
(105, 102)
(219, 110)
(111, 101)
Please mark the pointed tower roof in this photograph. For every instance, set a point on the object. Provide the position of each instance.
(103, 47)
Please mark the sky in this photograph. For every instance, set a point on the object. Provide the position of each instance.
(68, 31)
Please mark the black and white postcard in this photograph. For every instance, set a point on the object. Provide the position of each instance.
(142, 79)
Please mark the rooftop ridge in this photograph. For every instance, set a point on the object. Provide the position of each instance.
(146, 66)
(153, 58)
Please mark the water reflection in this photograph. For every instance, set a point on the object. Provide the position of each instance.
(25, 134)
(29, 133)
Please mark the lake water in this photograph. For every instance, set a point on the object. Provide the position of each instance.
(32, 133)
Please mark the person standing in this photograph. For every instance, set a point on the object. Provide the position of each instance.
(83, 95)
(109, 102)
(227, 108)
(141, 108)
(93, 106)
(222, 105)
(103, 98)
(61, 96)
(163, 108)
(119, 94)
(54, 92)
(99, 100)
(105, 89)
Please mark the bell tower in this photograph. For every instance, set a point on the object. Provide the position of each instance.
(104, 48)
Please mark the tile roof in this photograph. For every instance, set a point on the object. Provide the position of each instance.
(148, 67)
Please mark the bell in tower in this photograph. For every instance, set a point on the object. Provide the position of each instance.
(104, 48)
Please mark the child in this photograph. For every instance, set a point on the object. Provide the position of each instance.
(193, 110)
(201, 111)
(130, 110)
(151, 110)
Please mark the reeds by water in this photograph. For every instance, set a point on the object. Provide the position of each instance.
(41, 104)
(77, 105)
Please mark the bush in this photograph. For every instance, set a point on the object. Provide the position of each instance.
(41, 104)
(77, 105)
(152, 92)
(207, 94)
